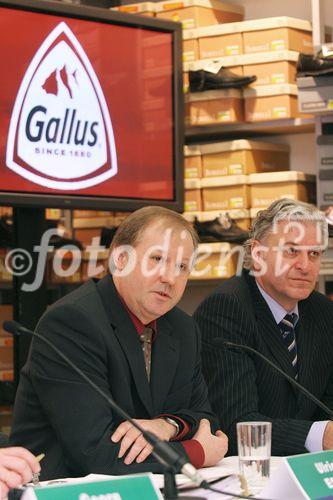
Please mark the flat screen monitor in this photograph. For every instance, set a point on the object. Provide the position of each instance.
(91, 108)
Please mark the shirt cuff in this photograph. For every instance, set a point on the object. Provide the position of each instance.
(314, 440)
(195, 452)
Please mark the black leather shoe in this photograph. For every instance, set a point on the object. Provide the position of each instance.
(201, 80)
(308, 65)
(221, 229)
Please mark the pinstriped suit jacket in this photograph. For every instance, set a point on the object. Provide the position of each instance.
(241, 386)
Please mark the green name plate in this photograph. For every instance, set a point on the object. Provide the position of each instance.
(298, 477)
(314, 473)
(136, 487)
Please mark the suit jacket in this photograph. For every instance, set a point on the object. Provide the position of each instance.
(242, 387)
(57, 413)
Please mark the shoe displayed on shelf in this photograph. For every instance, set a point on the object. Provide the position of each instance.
(309, 65)
(201, 80)
(107, 234)
(59, 241)
(220, 229)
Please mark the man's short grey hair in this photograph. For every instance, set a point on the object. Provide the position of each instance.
(282, 210)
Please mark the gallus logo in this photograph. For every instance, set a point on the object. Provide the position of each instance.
(60, 134)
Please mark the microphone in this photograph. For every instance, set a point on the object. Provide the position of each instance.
(163, 452)
(230, 345)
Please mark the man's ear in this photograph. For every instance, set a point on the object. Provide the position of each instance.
(258, 255)
(119, 258)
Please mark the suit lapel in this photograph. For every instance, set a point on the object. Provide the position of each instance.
(269, 330)
(306, 338)
(127, 337)
(165, 357)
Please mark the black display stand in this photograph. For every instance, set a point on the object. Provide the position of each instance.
(29, 225)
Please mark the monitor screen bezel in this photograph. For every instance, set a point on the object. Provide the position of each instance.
(102, 15)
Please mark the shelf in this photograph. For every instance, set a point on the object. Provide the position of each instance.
(224, 131)
(93, 222)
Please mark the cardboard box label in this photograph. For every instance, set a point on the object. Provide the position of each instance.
(233, 50)
(278, 45)
(237, 202)
(224, 116)
(278, 78)
(236, 169)
(279, 112)
(188, 24)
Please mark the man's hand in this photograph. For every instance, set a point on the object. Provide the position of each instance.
(215, 447)
(16, 468)
(328, 437)
(131, 437)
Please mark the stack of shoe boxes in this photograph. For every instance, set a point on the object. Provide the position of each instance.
(270, 35)
(196, 13)
(267, 48)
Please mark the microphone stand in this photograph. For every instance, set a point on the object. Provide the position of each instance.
(308, 394)
(172, 461)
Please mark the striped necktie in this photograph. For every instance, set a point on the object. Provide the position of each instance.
(146, 339)
(287, 328)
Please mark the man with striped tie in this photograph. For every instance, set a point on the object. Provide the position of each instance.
(273, 308)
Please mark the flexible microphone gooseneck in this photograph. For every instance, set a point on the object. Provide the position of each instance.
(164, 453)
(231, 345)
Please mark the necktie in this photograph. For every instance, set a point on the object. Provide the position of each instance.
(146, 339)
(287, 327)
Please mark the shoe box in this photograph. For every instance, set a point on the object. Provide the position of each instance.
(214, 106)
(89, 214)
(271, 102)
(271, 186)
(276, 34)
(192, 195)
(196, 13)
(190, 45)
(192, 162)
(222, 40)
(215, 260)
(315, 94)
(225, 193)
(255, 36)
(271, 67)
(143, 8)
(243, 157)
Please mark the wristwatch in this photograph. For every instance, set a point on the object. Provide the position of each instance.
(173, 422)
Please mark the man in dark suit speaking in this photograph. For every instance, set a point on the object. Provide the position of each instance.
(273, 308)
(126, 334)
